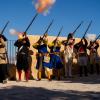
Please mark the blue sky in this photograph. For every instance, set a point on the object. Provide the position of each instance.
(68, 13)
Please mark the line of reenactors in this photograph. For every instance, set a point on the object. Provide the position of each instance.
(51, 59)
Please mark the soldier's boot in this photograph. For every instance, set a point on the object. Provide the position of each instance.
(49, 75)
(58, 74)
(19, 75)
(85, 71)
(27, 75)
(53, 76)
(39, 75)
(97, 69)
(91, 69)
(81, 71)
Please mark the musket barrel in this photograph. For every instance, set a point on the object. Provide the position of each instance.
(4, 27)
(77, 27)
(60, 32)
(49, 26)
(87, 28)
(57, 38)
(46, 31)
(31, 22)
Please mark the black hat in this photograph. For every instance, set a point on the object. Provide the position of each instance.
(3, 37)
(70, 35)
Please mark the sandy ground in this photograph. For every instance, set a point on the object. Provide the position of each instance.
(85, 88)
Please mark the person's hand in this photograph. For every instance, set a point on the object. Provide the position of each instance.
(24, 41)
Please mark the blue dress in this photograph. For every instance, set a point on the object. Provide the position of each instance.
(40, 59)
(48, 63)
(56, 59)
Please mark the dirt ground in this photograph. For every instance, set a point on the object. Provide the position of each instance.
(77, 88)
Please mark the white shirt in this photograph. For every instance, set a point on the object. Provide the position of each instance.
(68, 53)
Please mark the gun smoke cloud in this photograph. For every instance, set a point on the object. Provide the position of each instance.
(91, 37)
(43, 6)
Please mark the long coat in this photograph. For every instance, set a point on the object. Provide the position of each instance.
(22, 54)
(3, 57)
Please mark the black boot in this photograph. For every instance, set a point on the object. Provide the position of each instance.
(91, 69)
(97, 69)
(85, 71)
(80, 71)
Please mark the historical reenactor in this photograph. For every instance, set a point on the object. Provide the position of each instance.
(3, 59)
(81, 48)
(55, 47)
(23, 45)
(82, 55)
(43, 57)
(68, 55)
(93, 57)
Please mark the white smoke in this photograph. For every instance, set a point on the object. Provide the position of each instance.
(91, 37)
(46, 12)
(13, 32)
(53, 1)
(43, 6)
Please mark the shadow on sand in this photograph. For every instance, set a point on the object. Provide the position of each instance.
(37, 93)
(91, 79)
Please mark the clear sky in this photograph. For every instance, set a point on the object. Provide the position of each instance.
(68, 13)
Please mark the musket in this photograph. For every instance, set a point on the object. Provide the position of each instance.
(97, 38)
(87, 29)
(57, 38)
(94, 40)
(49, 27)
(77, 27)
(59, 33)
(73, 32)
(4, 28)
(1, 33)
(41, 38)
(33, 19)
